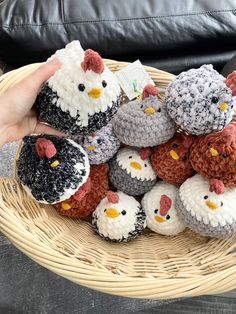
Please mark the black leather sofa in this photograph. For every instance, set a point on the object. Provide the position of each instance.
(173, 35)
(170, 35)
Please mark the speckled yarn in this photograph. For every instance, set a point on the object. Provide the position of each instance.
(143, 123)
(171, 160)
(214, 155)
(100, 146)
(122, 220)
(51, 178)
(128, 179)
(159, 207)
(199, 101)
(82, 96)
(205, 212)
(85, 206)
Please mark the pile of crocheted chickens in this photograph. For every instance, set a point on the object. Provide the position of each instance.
(125, 165)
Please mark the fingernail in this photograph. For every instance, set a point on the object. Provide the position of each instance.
(54, 61)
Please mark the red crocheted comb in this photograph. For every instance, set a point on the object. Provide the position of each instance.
(230, 81)
(187, 140)
(145, 153)
(149, 90)
(217, 186)
(93, 134)
(113, 197)
(92, 61)
(165, 204)
(83, 190)
(45, 148)
(229, 133)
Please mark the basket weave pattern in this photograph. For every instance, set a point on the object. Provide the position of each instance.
(153, 266)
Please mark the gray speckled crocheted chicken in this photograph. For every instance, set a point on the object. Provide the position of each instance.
(200, 100)
(101, 145)
(144, 123)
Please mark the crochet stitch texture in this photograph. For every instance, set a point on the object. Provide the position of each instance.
(199, 101)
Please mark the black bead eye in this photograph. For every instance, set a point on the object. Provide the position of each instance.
(81, 87)
(184, 157)
(221, 204)
(175, 145)
(209, 144)
(130, 157)
(159, 110)
(104, 84)
(123, 212)
(214, 99)
(105, 210)
(168, 217)
(99, 141)
(225, 155)
(205, 197)
(145, 165)
(141, 106)
(156, 211)
(231, 107)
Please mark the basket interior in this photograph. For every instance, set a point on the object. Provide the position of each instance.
(151, 266)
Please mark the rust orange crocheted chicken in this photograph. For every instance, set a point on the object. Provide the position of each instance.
(82, 204)
(214, 155)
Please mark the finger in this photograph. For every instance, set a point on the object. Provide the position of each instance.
(46, 129)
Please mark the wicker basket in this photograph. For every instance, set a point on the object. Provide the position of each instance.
(153, 266)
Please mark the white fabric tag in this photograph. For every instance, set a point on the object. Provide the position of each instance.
(133, 79)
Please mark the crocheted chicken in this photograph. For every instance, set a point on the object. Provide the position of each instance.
(119, 218)
(100, 146)
(51, 168)
(201, 101)
(144, 123)
(82, 96)
(159, 207)
(130, 171)
(214, 155)
(171, 160)
(208, 208)
(84, 202)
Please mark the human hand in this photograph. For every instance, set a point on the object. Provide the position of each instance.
(17, 117)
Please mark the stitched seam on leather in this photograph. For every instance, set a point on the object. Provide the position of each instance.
(62, 10)
(121, 20)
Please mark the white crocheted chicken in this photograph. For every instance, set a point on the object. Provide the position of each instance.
(207, 207)
(119, 217)
(159, 207)
(82, 96)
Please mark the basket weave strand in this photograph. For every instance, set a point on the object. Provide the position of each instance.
(153, 266)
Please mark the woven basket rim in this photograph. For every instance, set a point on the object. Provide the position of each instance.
(23, 222)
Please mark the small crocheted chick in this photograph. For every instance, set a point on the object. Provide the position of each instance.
(119, 218)
(143, 123)
(86, 199)
(82, 96)
(208, 208)
(100, 146)
(200, 100)
(171, 160)
(214, 155)
(51, 168)
(130, 171)
(159, 207)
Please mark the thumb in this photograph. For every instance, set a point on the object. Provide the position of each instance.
(42, 74)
